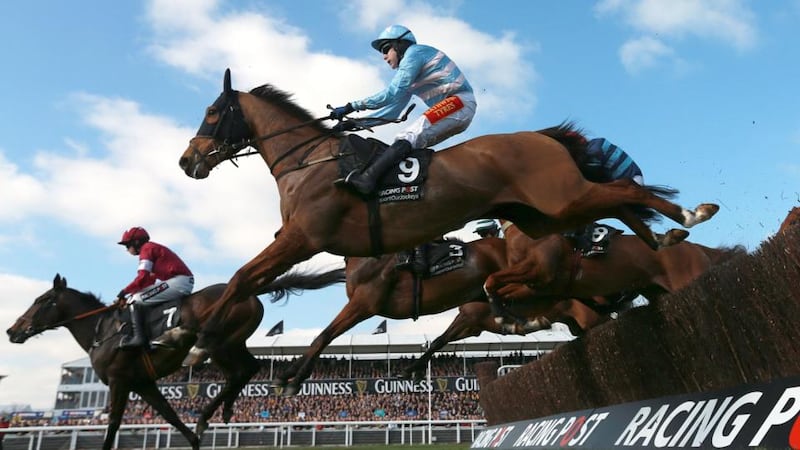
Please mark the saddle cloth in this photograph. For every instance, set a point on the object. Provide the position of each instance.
(158, 318)
(404, 182)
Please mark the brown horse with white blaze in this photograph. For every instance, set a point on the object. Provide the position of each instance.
(527, 177)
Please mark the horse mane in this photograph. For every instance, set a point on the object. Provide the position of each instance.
(88, 296)
(724, 253)
(283, 100)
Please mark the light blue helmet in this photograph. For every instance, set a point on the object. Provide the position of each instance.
(393, 33)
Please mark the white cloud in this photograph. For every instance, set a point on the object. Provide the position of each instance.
(258, 47)
(728, 22)
(644, 53)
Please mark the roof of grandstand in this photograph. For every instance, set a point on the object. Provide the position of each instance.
(404, 344)
(397, 344)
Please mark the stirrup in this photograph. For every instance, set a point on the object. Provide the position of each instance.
(344, 181)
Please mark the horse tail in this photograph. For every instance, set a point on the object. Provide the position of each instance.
(293, 283)
(573, 138)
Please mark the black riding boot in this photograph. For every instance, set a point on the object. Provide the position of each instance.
(364, 182)
(137, 322)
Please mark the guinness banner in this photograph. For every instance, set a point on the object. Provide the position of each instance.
(756, 416)
(174, 391)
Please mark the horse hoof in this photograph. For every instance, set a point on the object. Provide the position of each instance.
(703, 212)
(672, 237)
(195, 356)
(498, 320)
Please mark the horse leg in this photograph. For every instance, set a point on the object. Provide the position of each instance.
(528, 272)
(238, 366)
(150, 394)
(653, 240)
(118, 398)
(463, 326)
(606, 200)
(289, 248)
(353, 313)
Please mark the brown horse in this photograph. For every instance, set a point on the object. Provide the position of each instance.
(97, 330)
(527, 177)
(376, 288)
(556, 271)
(551, 266)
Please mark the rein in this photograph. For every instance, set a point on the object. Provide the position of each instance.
(81, 316)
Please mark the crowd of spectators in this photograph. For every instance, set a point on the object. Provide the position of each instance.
(363, 406)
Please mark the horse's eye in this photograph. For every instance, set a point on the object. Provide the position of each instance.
(211, 112)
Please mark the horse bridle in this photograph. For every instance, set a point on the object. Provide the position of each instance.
(236, 130)
(51, 303)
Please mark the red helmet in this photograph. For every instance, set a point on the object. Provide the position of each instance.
(134, 234)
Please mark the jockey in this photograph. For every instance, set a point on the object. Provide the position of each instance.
(487, 228)
(162, 276)
(607, 162)
(429, 74)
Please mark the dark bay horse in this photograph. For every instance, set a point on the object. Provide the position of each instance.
(96, 328)
(527, 177)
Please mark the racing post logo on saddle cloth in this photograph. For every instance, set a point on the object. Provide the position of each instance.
(445, 257)
(404, 182)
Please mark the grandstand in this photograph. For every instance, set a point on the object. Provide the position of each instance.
(353, 366)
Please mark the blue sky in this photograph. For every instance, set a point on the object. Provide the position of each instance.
(101, 99)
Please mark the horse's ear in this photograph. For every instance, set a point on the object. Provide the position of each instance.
(59, 282)
(226, 84)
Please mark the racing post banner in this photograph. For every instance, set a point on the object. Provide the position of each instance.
(748, 416)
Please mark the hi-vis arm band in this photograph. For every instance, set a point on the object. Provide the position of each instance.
(443, 109)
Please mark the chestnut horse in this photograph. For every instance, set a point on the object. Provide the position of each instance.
(527, 177)
(97, 330)
(375, 287)
(550, 266)
(558, 271)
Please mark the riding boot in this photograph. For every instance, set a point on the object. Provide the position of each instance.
(137, 322)
(364, 183)
(414, 260)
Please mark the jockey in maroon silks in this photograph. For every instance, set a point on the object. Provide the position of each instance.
(161, 276)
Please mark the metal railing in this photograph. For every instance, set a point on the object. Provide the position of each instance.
(244, 435)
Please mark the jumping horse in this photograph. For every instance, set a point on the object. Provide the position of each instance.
(580, 292)
(526, 177)
(376, 288)
(97, 330)
(551, 266)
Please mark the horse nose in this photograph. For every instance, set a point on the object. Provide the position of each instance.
(183, 162)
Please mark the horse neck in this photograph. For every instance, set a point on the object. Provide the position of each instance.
(83, 329)
(278, 151)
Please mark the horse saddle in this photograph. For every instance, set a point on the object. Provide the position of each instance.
(404, 182)
(441, 257)
(158, 318)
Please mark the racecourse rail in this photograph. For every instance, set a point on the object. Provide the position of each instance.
(244, 435)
